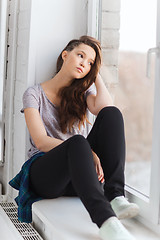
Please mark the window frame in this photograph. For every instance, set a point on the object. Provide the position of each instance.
(155, 168)
(94, 18)
(94, 30)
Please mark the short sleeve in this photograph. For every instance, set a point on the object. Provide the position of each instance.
(30, 99)
(90, 90)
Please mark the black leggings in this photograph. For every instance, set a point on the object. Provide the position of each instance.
(68, 169)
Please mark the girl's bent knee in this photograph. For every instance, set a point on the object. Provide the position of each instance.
(78, 138)
(79, 141)
(79, 144)
(110, 110)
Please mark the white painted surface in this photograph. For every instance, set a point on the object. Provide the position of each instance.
(3, 17)
(139, 231)
(66, 218)
(56, 22)
(111, 5)
(7, 229)
(111, 20)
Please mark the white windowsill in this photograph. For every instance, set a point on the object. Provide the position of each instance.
(66, 218)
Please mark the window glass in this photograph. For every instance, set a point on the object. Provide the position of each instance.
(135, 92)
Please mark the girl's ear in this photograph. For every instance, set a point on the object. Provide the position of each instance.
(64, 55)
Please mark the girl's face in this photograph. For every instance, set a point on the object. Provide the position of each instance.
(79, 61)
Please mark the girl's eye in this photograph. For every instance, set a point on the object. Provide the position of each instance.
(80, 55)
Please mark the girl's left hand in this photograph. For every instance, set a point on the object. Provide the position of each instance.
(98, 167)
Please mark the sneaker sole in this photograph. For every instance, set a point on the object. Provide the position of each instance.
(129, 212)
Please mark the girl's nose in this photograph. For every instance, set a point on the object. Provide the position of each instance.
(82, 64)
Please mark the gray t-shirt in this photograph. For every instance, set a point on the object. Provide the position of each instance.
(35, 97)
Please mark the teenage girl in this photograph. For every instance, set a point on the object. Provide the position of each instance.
(73, 162)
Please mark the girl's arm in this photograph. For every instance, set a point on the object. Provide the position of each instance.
(37, 131)
(101, 100)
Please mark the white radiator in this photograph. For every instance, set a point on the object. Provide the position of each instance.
(20, 230)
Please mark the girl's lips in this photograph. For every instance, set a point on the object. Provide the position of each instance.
(80, 70)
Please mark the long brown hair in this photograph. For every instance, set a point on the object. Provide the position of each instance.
(73, 104)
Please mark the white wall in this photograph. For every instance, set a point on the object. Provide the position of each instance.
(110, 41)
(57, 22)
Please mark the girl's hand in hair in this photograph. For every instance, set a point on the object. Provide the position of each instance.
(98, 167)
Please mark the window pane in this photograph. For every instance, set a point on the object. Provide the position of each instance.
(135, 92)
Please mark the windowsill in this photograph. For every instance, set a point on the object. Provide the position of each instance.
(66, 218)
(139, 231)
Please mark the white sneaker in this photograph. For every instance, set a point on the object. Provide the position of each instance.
(112, 229)
(124, 209)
